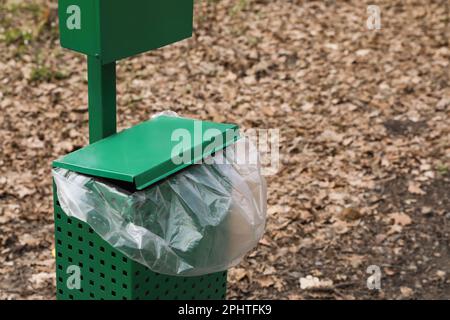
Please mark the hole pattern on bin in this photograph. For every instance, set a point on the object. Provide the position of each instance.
(108, 274)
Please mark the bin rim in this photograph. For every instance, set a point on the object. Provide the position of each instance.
(141, 155)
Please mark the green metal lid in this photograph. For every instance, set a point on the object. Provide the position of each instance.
(150, 151)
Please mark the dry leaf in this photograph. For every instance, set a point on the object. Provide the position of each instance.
(23, 191)
(27, 239)
(395, 228)
(355, 260)
(264, 242)
(401, 219)
(265, 281)
(341, 227)
(350, 214)
(238, 273)
(414, 188)
(406, 292)
(40, 278)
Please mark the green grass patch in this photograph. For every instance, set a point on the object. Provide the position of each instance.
(442, 169)
(15, 35)
(46, 74)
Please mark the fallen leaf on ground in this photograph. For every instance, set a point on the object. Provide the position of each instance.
(406, 292)
(39, 279)
(414, 188)
(266, 281)
(401, 219)
(238, 273)
(350, 214)
(355, 260)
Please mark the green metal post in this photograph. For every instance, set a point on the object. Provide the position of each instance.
(102, 99)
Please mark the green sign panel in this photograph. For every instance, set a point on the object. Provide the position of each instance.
(116, 29)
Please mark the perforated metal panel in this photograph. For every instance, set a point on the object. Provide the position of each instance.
(108, 274)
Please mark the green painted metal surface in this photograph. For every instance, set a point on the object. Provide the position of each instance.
(116, 29)
(102, 99)
(79, 27)
(105, 273)
(142, 154)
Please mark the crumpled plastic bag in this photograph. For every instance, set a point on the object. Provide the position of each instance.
(201, 220)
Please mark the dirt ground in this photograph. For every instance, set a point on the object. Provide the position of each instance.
(364, 175)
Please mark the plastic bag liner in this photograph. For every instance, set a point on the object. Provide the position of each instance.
(201, 220)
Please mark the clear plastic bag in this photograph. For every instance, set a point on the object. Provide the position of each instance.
(201, 220)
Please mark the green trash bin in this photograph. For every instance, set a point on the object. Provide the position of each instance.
(135, 159)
